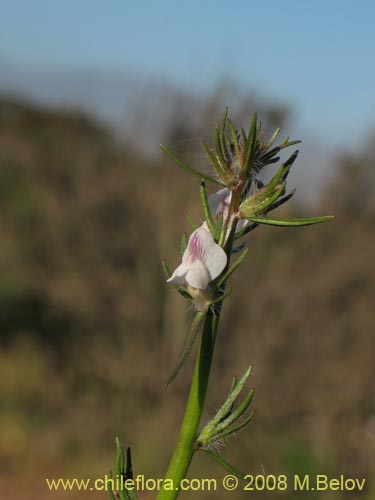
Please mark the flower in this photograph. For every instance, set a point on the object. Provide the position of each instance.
(219, 204)
(203, 261)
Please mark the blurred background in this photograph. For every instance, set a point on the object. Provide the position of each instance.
(89, 206)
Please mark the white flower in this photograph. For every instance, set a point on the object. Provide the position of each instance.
(219, 204)
(202, 262)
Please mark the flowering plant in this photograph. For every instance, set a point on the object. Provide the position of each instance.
(241, 204)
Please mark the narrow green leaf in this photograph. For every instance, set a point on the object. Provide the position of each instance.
(236, 428)
(186, 167)
(286, 144)
(267, 158)
(222, 134)
(191, 222)
(166, 269)
(250, 145)
(206, 209)
(184, 242)
(275, 196)
(219, 226)
(131, 495)
(233, 267)
(246, 230)
(281, 201)
(220, 460)
(221, 298)
(110, 490)
(239, 248)
(243, 136)
(233, 133)
(291, 222)
(214, 161)
(236, 414)
(120, 466)
(283, 171)
(188, 345)
(119, 458)
(228, 144)
(288, 164)
(259, 127)
(219, 152)
(273, 138)
(232, 388)
(234, 383)
(223, 410)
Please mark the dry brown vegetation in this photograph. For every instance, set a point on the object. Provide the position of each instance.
(90, 331)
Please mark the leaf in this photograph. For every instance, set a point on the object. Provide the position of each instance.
(188, 345)
(291, 222)
(186, 167)
(233, 268)
(221, 298)
(222, 133)
(206, 209)
(235, 415)
(281, 201)
(219, 152)
(233, 133)
(223, 410)
(220, 460)
(218, 228)
(119, 468)
(129, 464)
(236, 428)
(184, 242)
(250, 145)
(119, 458)
(243, 136)
(166, 270)
(214, 161)
(191, 222)
(110, 490)
(273, 138)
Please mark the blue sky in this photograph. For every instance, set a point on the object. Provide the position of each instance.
(316, 56)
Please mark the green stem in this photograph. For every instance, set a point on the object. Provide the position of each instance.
(184, 450)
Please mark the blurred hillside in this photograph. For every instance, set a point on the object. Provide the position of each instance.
(90, 331)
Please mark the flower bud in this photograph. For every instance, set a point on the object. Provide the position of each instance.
(261, 201)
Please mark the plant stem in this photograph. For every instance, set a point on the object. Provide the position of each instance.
(184, 450)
